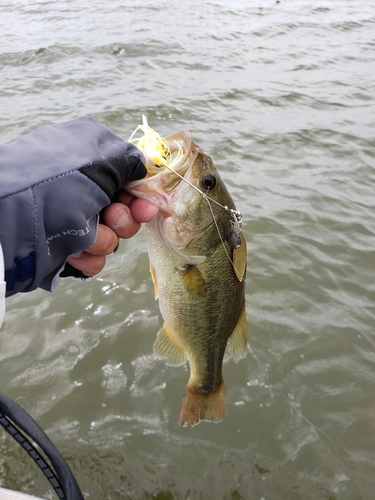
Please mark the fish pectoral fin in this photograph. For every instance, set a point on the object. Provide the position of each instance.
(193, 280)
(237, 343)
(240, 259)
(198, 406)
(154, 280)
(166, 347)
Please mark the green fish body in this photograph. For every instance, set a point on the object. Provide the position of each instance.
(198, 263)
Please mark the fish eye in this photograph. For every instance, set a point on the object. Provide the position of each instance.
(208, 181)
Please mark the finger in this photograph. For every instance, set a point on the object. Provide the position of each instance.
(120, 219)
(125, 197)
(89, 264)
(143, 210)
(105, 243)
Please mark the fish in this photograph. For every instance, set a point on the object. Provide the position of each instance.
(197, 255)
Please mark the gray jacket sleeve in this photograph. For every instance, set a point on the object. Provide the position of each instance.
(53, 184)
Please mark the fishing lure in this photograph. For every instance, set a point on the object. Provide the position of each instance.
(156, 150)
(158, 156)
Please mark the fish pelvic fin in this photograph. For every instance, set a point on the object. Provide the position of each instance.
(166, 347)
(237, 343)
(193, 280)
(240, 260)
(198, 406)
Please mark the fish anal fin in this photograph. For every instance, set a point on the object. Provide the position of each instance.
(240, 259)
(166, 347)
(193, 280)
(155, 281)
(198, 406)
(237, 343)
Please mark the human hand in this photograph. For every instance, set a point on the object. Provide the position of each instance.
(121, 220)
(74, 170)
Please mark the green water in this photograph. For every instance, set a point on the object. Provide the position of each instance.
(282, 98)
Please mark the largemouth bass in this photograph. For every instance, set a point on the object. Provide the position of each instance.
(198, 262)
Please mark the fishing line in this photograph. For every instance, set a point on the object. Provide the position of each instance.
(236, 223)
(235, 213)
(238, 220)
(156, 152)
(158, 159)
(290, 403)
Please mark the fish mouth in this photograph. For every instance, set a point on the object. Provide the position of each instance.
(181, 142)
(159, 187)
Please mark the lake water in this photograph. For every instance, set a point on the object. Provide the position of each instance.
(282, 97)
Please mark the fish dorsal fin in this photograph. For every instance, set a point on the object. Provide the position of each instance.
(193, 280)
(154, 280)
(166, 347)
(240, 259)
(237, 343)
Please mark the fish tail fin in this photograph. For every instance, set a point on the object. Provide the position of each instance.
(197, 406)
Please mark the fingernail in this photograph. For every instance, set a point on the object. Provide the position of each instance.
(121, 218)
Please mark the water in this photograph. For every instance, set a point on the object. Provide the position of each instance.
(282, 97)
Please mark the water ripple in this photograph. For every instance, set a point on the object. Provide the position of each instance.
(281, 95)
